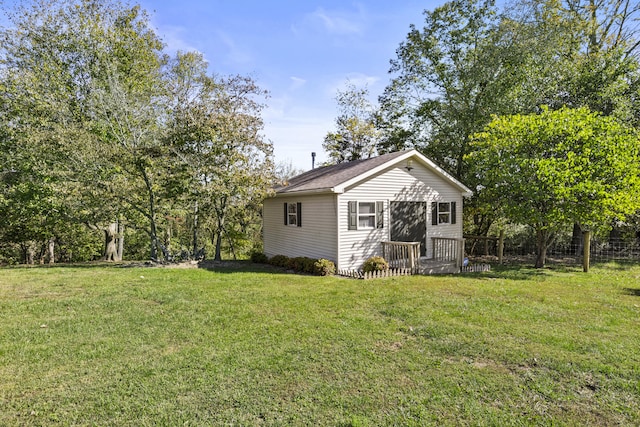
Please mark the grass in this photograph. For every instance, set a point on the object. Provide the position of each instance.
(154, 346)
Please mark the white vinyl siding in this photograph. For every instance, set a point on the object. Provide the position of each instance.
(317, 236)
(395, 184)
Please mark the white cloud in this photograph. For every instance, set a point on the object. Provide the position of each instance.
(296, 83)
(335, 22)
(174, 38)
(338, 23)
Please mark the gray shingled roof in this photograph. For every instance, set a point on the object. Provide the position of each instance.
(325, 178)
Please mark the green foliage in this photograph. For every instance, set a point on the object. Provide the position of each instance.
(559, 167)
(259, 257)
(324, 267)
(103, 128)
(225, 164)
(470, 60)
(375, 263)
(302, 264)
(356, 135)
(320, 267)
(279, 261)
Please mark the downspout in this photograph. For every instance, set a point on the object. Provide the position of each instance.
(337, 210)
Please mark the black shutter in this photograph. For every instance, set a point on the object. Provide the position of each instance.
(434, 213)
(299, 211)
(453, 212)
(353, 215)
(286, 215)
(379, 214)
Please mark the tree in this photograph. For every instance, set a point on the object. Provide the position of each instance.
(452, 75)
(558, 167)
(284, 171)
(471, 61)
(83, 80)
(356, 135)
(215, 132)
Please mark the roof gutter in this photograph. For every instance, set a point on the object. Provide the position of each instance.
(327, 190)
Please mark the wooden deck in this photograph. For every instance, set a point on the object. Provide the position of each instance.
(447, 256)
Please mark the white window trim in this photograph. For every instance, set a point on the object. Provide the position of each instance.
(446, 217)
(293, 214)
(447, 213)
(354, 214)
(367, 215)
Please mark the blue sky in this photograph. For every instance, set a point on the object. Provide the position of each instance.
(302, 52)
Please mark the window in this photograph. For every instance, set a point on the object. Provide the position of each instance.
(366, 215)
(443, 213)
(293, 214)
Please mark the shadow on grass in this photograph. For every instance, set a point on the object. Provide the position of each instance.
(510, 272)
(632, 291)
(245, 266)
(84, 264)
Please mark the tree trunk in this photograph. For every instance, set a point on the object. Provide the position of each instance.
(120, 249)
(218, 243)
(111, 237)
(576, 239)
(51, 250)
(195, 229)
(153, 231)
(231, 246)
(220, 216)
(110, 248)
(153, 253)
(30, 252)
(542, 243)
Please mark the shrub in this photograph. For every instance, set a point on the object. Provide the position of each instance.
(259, 257)
(375, 263)
(302, 264)
(309, 265)
(324, 267)
(279, 261)
(296, 264)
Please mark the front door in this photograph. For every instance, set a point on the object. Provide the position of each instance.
(409, 223)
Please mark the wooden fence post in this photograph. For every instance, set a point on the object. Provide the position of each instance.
(587, 251)
(500, 246)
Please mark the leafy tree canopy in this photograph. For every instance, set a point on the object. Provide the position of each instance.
(558, 167)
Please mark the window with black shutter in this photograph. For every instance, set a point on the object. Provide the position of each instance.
(293, 214)
(443, 213)
(365, 215)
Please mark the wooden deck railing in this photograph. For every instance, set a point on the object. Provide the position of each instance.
(402, 255)
(448, 249)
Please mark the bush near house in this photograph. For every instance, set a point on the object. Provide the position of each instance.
(375, 263)
(319, 267)
(324, 267)
(258, 257)
(279, 261)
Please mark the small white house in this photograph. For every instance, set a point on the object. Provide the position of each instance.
(349, 212)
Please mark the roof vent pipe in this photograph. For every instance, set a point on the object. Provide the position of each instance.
(313, 160)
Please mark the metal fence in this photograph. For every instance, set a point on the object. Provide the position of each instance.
(601, 250)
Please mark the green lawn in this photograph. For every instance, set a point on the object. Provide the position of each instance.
(157, 346)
